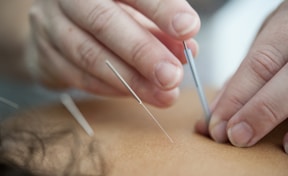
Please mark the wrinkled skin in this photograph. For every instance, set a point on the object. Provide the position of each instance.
(254, 100)
(126, 142)
(70, 41)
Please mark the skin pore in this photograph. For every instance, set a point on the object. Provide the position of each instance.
(48, 141)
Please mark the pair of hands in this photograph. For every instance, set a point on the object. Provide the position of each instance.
(71, 40)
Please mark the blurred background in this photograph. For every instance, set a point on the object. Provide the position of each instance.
(228, 28)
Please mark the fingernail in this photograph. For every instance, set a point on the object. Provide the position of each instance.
(184, 23)
(168, 75)
(240, 134)
(218, 131)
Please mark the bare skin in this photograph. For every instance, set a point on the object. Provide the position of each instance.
(146, 47)
(142, 38)
(69, 42)
(127, 142)
(254, 101)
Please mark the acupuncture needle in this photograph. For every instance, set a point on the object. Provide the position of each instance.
(72, 108)
(108, 63)
(9, 103)
(200, 91)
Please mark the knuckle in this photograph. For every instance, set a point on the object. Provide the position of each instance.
(88, 55)
(100, 18)
(139, 51)
(154, 8)
(266, 62)
(235, 101)
(155, 11)
(269, 112)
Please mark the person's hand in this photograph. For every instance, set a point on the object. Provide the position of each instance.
(71, 39)
(254, 101)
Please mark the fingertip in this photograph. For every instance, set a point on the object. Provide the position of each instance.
(217, 129)
(201, 127)
(168, 75)
(176, 18)
(241, 134)
(186, 24)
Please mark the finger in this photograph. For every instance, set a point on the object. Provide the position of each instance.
(49, 66)
(53, 72)
(88, 54)
(266, 57)
(202, 127)
(285, 143)
(262, 113)
(127, 39)
(176, 18)
(174, 45)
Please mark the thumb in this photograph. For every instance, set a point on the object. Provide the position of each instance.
(266, 57)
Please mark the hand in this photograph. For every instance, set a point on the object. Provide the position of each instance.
(255, 100)
(71, 40)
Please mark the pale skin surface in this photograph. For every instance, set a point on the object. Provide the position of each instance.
(254, 101)
(68, 49)
(70, 40)
(127, 142)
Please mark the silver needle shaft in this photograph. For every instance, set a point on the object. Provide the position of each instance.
(9, 103)
(138, 99)
(200, 91)
(72, 108)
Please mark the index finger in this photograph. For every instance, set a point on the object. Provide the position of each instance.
(115, 29)
(176, 18)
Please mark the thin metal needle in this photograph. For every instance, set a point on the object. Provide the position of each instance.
(72, 108)
(138, 99)
(190, 59)
(9, 103)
